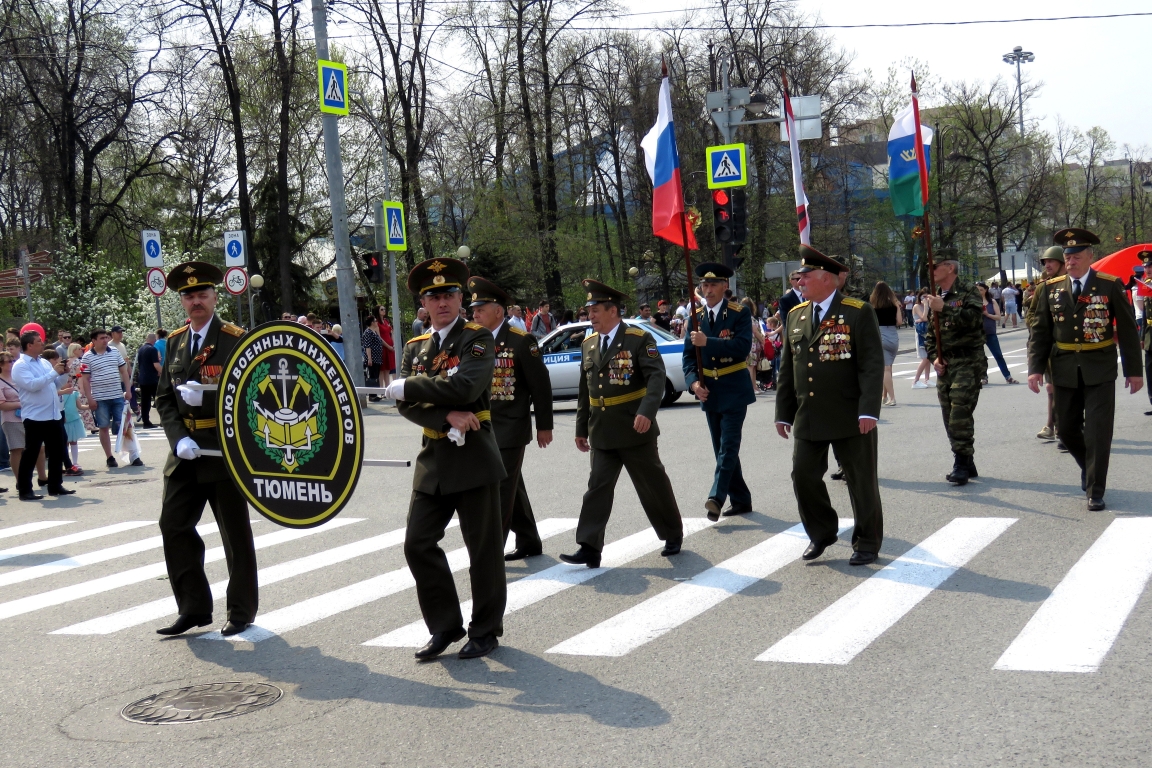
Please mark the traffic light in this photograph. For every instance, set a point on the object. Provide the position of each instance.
(373, 267)
(739, 215)
(722, 215)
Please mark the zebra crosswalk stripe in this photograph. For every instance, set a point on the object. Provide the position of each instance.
(72, 538)
(361, 593)
(668, 610)
(141, 614)
(848, 626)
(146, 572)
(1076, 626)
(551, 581)
(20, 530)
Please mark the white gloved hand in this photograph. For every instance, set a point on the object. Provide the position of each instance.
(395, 390)
(186, 448)
(191, 396)
(456, 436)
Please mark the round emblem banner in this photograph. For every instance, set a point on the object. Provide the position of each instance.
(290, 425)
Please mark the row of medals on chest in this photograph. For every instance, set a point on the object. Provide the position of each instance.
(835, 341)
(1096, 319)
(504, 375)
(620, 368)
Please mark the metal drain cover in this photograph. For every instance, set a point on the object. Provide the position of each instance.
(201, 703)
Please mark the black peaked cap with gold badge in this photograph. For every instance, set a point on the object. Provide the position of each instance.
(440, 275)
(597, 292)
(811, 260)
(194, 276)
(710, 271)
(1073, 239)
(484, 291)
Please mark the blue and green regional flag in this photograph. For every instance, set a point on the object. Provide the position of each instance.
(903, 169)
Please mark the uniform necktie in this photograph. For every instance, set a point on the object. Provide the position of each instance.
(816, 315)
(195, 344)
(1075, 290)
(604, 348)
(435, 343)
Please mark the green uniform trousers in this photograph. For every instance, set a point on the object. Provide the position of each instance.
(183, 505)
(428, 516)
(958, 390)
(1086, 415)
(857, 456)
(515, 508)
(652, 486)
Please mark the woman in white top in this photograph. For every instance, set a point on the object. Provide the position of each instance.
(1009, 295)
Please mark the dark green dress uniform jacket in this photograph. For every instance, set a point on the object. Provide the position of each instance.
(1079, 336)
(615, 388)
(725, 357)
(181, 420)
(961, 325)
(457, 378)
(520, 383)
(833, 374)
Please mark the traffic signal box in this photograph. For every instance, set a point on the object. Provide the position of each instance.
(373, 267)
(730, 222)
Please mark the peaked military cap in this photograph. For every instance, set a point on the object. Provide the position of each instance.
(811, 259)
(441, 275)
(1075, 240)
(711, 270)
(484, 291)
(1145, 256)
(194, 276)
(1054, 253)
(597, 292)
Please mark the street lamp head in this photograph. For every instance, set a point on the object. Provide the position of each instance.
(1019, 56)
(463, 252)
(256, 281)
(757, 104)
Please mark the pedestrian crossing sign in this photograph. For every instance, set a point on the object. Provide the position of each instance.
(395, 233)
(333, 79)
(727, 166)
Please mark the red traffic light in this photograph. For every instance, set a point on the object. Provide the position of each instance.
(719, 197)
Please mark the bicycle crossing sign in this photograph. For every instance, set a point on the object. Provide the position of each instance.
(395, 233)
(727, 166)
(333, 80)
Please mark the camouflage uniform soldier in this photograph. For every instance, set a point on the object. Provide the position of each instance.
(958, 357)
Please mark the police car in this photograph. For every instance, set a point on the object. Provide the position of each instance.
(561, 352)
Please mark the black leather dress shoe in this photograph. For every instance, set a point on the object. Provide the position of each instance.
(862, 558)
(1095, 505)
(584, 556)
(185, 623)
(30, 497)
(61, 491)
(737, 509)
(712, 507)
(816, 548)
(233, 627)
(672, 547)
(520, 554)
(838, 474)
(479, 646)
(439, 643)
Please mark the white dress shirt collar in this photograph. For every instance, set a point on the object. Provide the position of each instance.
(610, 336)
(825, 305)
(202, 331)
(443, 332)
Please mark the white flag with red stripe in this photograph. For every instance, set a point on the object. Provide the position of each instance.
(802, 221)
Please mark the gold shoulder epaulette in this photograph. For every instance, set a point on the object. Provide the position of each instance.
(1107, 276)
(735, 306)
(178, 331)
(592, 335)
(232, 330)
(1054, 280)
(634, 332)
(699, 310)
(798, 306)
(474, 327)
(851, 302)
(517, 331)
(421, 337)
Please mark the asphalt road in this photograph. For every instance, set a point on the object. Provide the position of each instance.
(761, 660)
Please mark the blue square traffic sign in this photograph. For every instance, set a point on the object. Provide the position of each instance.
(727, 166)
(396, 234)
(333, 81)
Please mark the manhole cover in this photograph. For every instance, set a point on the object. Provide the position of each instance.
(199, 703)
(111, 483)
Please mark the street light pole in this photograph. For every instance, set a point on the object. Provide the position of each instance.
(1019, 56)
(345, 274)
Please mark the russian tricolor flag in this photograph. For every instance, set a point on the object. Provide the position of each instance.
(663, 165)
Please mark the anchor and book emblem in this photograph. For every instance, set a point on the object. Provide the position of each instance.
(292, 431)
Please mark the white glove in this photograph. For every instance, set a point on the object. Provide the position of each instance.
(191, 396)
(395, 390)
(186, 448)
(456, 436)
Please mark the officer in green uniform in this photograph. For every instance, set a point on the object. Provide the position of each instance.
(1052, 262)
(197, 353)
(1074, 331)
(444, 385)
(830, 385)
(959, 360)
(621, 385)
(724, 388)
(520, 384)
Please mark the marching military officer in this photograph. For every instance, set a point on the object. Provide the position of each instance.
(723, 387)
(520, 383)
(1052, 262)
(831, 381)
(1074, 331)
(621, 385)
(197, 353)
(959, 360)
(444, 387)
